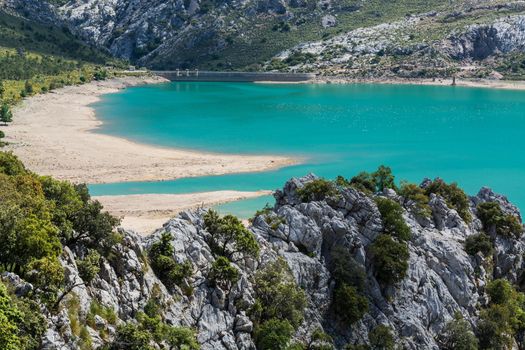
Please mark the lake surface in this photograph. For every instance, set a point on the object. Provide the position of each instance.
(469, 135)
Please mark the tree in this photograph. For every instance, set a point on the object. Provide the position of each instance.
(390, 259)
(349, 305)
(381, 338)
(273, 334)
(181, 338)
(383, 178)
(222, 273)
(316, 190)
(277, 294)
(2, 135)
(414, 196)
(2, 90)
(229, 237)
(392, 216)
(457, 335)
(10, 165)
(496, 221)
(344, 269)
(10, 316)
(363, 182)
(478, 243)
(89, 267)
(453, 196)
(6, 116)
(167, 269)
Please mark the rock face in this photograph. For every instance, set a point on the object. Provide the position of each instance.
(442, 278)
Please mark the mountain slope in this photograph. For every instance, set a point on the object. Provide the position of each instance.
(211, 34)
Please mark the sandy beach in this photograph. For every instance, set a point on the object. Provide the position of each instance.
(146, 213)
(53, 135)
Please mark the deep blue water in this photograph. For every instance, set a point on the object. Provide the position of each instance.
(469, 135)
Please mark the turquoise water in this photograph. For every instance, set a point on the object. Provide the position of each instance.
(472, 136)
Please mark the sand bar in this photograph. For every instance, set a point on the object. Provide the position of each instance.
(52, 134)
(146, 212)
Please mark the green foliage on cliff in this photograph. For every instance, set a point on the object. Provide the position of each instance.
(504, 318)
(495, 221)
(392, 215)
(229, 237)
(415, 196)
(390, 259)
(222, 273)
(163, 263)
(458, 335)
(316, 190)
(478, 243)
(21, 324)
(453, 195)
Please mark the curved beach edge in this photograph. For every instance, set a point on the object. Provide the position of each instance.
(52, 134)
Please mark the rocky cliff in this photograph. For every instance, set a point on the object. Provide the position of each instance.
(310, 234)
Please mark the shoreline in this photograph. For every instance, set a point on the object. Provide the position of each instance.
(53, 135)
(144, 213)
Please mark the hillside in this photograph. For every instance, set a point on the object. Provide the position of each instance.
(397, 36)
(347, 264)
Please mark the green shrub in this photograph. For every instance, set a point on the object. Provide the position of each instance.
(317, 190)
(6, 116)
(277, 295)
(392, 216)
(319, 341)
(363, 182)
(349, 305)
(478, 243)
(131, 337)
(10, 165)
(383, 178)
(415, 194)
(222, 273)
(494, 220)
(345, 269)
(229, 237)
(89, 267)
(381, 338)
(504, 318)
(390, 259)
(457, 335)
(169, 271)
(453, 195)
(274, 334)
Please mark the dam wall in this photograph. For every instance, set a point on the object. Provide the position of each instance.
(196, 75)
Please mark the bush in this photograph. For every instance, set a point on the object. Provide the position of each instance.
(6, 116)
(478, 243)
(349, 305)
(383, 178)
(381, 338)
(495, 221)
(277, 295)
(500, 291)
(453, 195)
(273, 334)
(415, 196)
(170, 272)
(457, 335)
(363, 182)
(10, 165)
(392, 216)
(390, 259)
(222, 273)
(229, 237)
(89, 267)
(345, 269)
(317, 190)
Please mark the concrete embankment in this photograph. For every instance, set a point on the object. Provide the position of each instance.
(196, 75)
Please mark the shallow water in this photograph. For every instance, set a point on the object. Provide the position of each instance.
(470, 135)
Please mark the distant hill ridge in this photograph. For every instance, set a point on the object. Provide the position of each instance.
(358, 38)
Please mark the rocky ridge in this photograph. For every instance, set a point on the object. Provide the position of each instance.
(441, 279)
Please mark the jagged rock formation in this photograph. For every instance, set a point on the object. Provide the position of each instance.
(441, 279)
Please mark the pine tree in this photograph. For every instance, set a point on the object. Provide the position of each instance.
(6, 116)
